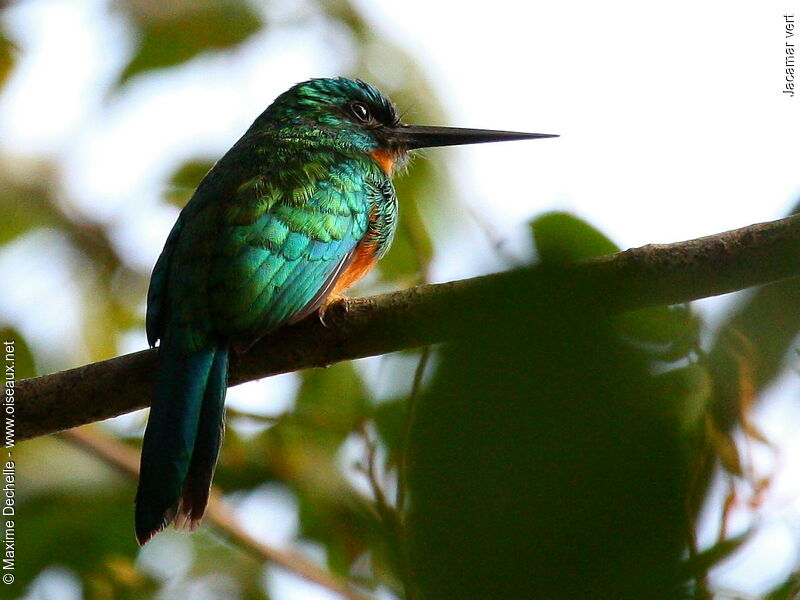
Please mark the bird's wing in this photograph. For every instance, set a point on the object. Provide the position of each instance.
(156, 293)
(281, 249)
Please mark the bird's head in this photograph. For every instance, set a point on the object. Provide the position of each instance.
(353, 112)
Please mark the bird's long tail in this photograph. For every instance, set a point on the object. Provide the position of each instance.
(182, 440)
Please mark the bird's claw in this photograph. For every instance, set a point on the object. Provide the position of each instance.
(340, 302)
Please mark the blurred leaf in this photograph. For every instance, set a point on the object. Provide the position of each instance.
(71, 494)
(99, 524)
(788, 590)
(301, 450)
(769, 320)
(562, 238)
(332, 402)
(685, 393)
(344, 524)
(732, 366)
(7, 58)
(390, 419)
(185, 180)
(700, 564)
(302, 445)
(173, 31)
(725, 449)
(222, 565)
(24, 365)
(739, 388)
(540, 466)
(29, 201)
(245, 462)
(750, 351)
(26, 200)
(672, 332)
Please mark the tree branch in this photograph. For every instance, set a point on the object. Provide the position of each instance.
(359, 327)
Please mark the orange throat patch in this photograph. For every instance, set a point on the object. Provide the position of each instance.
(386, 159)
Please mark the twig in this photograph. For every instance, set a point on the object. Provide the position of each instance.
(495, 240)
(234, 413)
(411, 413)
(359, 327)
(390, 517)
(370, 470)
(126, 460)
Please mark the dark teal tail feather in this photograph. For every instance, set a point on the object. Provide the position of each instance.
(182, 439)
(210, 430)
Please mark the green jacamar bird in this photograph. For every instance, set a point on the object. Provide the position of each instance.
(298, 210)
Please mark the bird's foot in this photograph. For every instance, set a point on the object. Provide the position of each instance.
(332, 302)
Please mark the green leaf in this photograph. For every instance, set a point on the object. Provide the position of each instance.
(245, 461)
(342, 522)
(760, 334)
(96, 521)
(185, 180)
(672, 332)
(685, 393)
(25, 204)
(390, 420)
(562, 238)
(539, 464)
(787, 590)
(171, 32)
(224, 567)
(24, 365)
(699, 564)
(7, 58)
(332, 401)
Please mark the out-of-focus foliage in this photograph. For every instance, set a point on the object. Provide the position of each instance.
(553, 450)
(789, 589)
(555, 453)
(25, 200)
(171, 32)
(184, 181)
(563, 238)
(105, 562)
(544, 463)
(24, 365)
(760, 333)
(301, 451)
(7, 51)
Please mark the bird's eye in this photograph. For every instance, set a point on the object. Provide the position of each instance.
(360, 111)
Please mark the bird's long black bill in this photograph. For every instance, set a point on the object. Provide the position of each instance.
(423, 136)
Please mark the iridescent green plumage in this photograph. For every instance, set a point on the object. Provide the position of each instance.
(260, 244)
(276, 217)
(301, 205)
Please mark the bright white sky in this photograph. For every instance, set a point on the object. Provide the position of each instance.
(672, 119)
